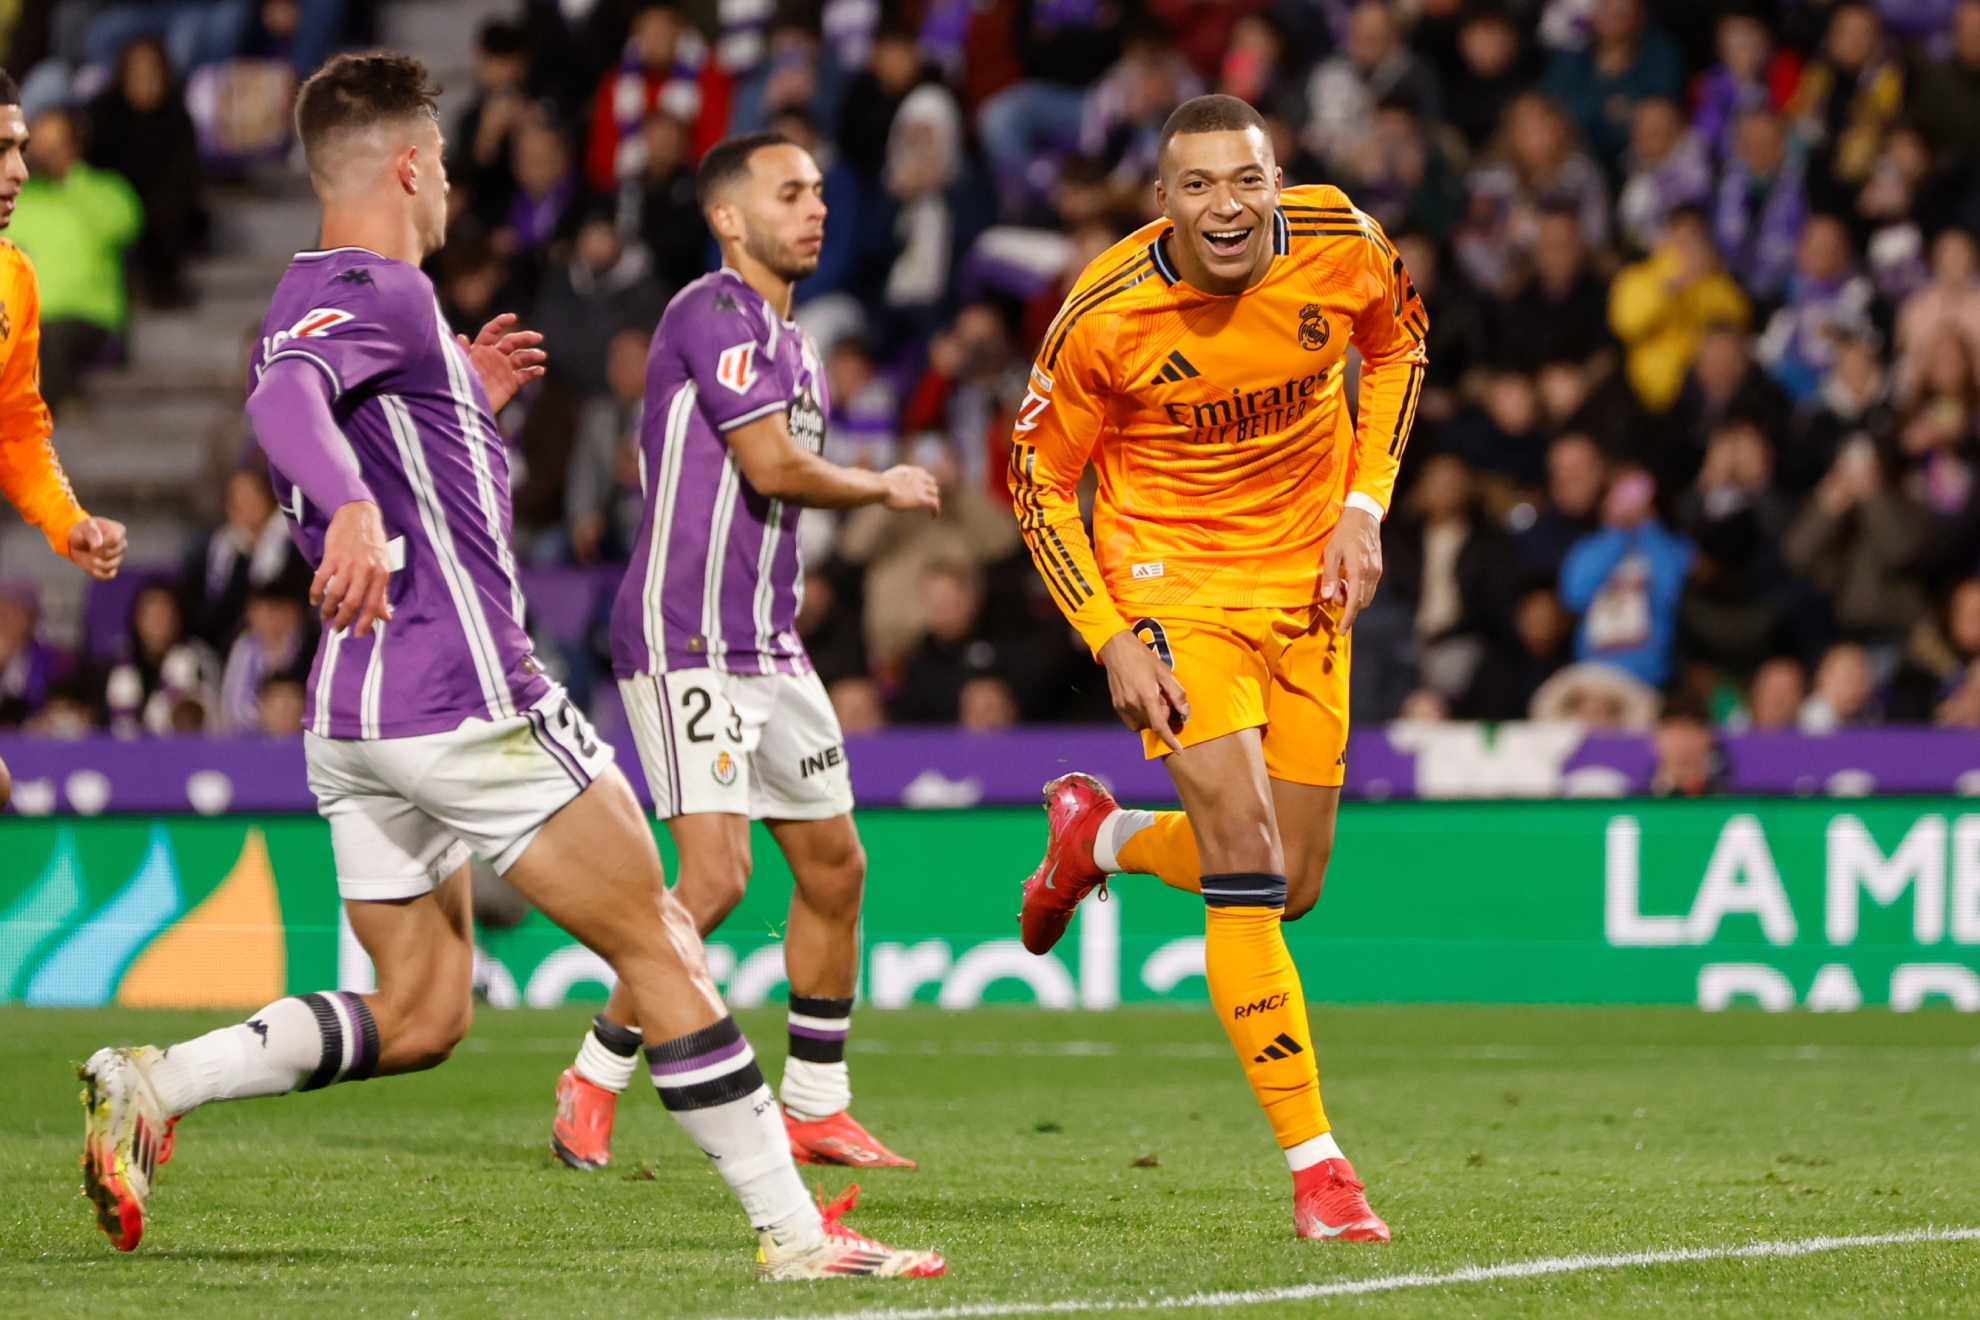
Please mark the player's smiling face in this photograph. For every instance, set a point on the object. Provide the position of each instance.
(13, 159)
(1220, 190)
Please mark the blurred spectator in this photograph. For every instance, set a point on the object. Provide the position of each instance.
(1849, 98)
(1724, 385)
(77, 223)
(473, 282)
(1826, 303)
(1495, 68)
(1500, 434)
(1936, 431)
(479, 155)
(1961, 708)
(874, 96)
(1859, 539)
(1560, 310)
(862, 430)
(1845, 691)
(250, 549)
(1123, 114)
(1061, 47)
(1939, 658)
(1741, 604)
(1576, 476)
(1774, 698)
(969, 397)
(1945, 109)
(139, 129)
(1262, 66)
(602, 494)
(665, 67)
(1532, 165)
(194, 33)
(828, 621)
(28, 666)
(1373, 65)
(1689, 762)
(1515, 667)
(1667, 166)
(924, 157)
(1761, 206)
(1625, 61)
(1602, 698)
(66, 713)
(951, 652)
(658, 205)
(281, 706)
(1660, 308)
(1750, 75)
(1624, 581)
(275, 642)
(986, 705)
(543, 207)
(897, 549)
(607, 286)
(856, 701)
(1403, 174)
(1445, 561)
(1947, 306)
(1854, 401)
(162, 669)
(1460, 333)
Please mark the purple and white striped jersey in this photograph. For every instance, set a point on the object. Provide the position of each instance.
(715, 574)
(412, 409)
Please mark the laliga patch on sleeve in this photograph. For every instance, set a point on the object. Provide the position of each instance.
(736, 368)
(318, 322)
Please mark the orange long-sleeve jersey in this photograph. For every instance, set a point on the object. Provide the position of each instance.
(1219, 425)
(31, 475)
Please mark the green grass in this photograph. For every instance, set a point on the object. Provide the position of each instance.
(1485, 1135)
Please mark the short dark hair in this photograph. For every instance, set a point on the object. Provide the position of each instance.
(1215, 113)
(728, 160)
(359, 90)
(10, 91)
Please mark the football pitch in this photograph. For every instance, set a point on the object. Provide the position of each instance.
(1620, 1161)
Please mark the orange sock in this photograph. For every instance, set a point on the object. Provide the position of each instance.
(1255, 989)
(1165, 848)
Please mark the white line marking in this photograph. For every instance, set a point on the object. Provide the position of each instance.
(1525, 1269)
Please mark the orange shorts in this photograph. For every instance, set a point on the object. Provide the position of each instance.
(1283, 669)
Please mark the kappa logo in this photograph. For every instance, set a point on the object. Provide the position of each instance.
(724, 303)
(723, 767)
(736, 368)
(1265, 1005)
(356, 275)
(259, 1028)
(1313, 330)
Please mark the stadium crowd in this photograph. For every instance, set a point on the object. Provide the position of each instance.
(1700, 440)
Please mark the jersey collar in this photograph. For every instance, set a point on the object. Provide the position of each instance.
(1281, 246)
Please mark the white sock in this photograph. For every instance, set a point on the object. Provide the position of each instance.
(812, 1091)
(709, 1081)
(294, 1044)
(609, 1055)
(1114, 832)
(1309, 1153)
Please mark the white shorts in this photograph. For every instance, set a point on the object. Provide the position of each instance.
(766, 746)
(405, 813)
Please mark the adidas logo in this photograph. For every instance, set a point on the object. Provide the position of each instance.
(1177, 368)
(1283, 1047)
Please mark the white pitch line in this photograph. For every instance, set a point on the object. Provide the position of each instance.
(1524, 1269)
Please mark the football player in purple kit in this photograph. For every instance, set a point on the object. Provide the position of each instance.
(731, 722)
(432, 730)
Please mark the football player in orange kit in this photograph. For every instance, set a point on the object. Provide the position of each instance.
(1199, 365)
(30, 474)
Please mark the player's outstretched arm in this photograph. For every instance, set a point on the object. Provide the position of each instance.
(290, 410)
(31, 475)
(778, 466)
(505, 359)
